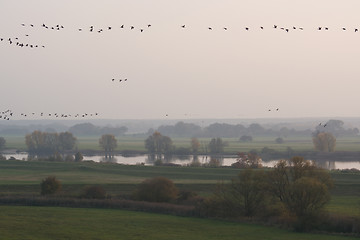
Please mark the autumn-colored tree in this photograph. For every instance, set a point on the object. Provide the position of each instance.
(108, 142)
(324, 142)
(247, 160)
(50, 185)
(158, 189)
(195, 145)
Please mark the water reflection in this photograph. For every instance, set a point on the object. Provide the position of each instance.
(187, 160)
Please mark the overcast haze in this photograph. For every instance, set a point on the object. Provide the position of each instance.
(176, 72)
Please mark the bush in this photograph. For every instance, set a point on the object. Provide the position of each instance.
(158, 189)
(50, 185)
(94, 192)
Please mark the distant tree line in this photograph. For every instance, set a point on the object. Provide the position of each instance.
(225, 130)
(88, 129)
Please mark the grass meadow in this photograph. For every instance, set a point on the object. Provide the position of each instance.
(17, 222)
(19, 178)
(234, 145)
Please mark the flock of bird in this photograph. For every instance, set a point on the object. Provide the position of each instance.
(120, 80)
(58, 27)
(91, 28)
(8, 114)
(16, 42)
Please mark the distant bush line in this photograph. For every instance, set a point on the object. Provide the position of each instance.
(164, 208)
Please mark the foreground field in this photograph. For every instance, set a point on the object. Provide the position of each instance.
(22, 178)
(74, 223)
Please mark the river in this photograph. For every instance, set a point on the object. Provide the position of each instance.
(189, 160)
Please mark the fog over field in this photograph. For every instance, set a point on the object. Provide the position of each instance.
(179, 59)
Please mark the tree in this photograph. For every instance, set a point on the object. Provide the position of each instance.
(78, 157)
(324, 142)
(2, 143)
(108, 142)
(49, 143)
(158, 189)
(195, 145)
(248, 191)
(301, 187)
(247, 160)
(216, 145)
(246, 138)
(158, 144)
(50, 185)
(245, 196)
(66, 141)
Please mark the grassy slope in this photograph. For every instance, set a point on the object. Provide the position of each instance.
(69, 223)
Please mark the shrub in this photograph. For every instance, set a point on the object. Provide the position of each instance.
(94, 192)
(78, 157)
(50, 185)
(158, 189)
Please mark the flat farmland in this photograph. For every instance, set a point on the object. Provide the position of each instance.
(137, 144)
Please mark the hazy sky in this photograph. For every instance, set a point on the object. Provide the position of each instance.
(190, 72)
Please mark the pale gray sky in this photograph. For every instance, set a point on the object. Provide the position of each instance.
(184, 73)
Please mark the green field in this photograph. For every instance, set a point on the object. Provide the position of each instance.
(234, 145)
(22, 179)
(80, 223)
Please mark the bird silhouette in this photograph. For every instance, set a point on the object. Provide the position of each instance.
(149, 25)
(209, 28)
(183, 26)
(132, 27)
(225, 28)
(122, 26)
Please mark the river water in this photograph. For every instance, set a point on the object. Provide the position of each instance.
(190, 160)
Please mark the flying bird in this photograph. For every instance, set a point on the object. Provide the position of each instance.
(183, 26)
